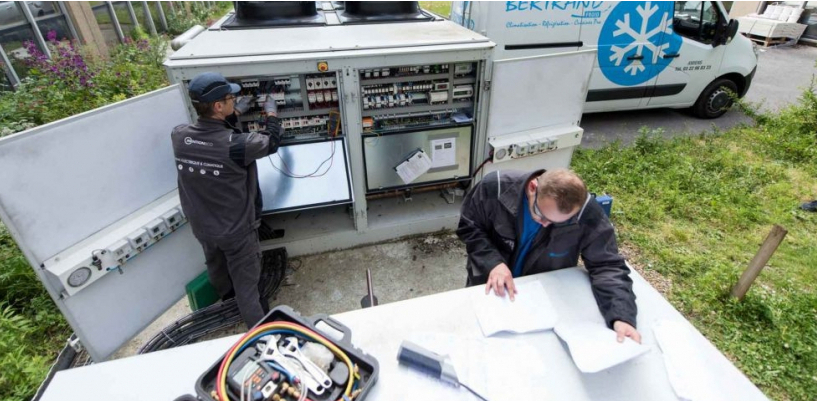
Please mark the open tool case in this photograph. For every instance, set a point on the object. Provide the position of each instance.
(283, 374)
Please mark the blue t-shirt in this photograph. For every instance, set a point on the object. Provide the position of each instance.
(530, 230)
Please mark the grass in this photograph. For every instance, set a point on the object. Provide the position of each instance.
(441, 8)
(696, 210)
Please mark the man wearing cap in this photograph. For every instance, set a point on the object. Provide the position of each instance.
(218, 189)
(523, 223)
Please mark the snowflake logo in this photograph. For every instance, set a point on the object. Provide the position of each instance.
(634, 40)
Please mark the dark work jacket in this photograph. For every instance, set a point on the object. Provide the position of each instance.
(490, 225)
(218, 177)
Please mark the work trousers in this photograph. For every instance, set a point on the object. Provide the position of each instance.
(235, 266)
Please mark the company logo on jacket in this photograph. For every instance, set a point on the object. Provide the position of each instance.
(191, 141)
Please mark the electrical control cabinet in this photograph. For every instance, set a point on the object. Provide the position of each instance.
(308, 104)
(421, 96)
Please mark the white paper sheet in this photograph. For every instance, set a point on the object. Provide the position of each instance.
(444, 152)
(688, 373)
(530, 311)
(487, 365)
(594, 347)
(418, 164)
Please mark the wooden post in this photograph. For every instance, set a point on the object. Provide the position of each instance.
(87, 27)
(763, 255)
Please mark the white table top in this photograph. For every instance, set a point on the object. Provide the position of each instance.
(534, 366)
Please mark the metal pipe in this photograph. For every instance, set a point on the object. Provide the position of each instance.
(68, 21)
(10, 73)
(132, 13)
(370, 292)
(34, 27)
(186, 37)
(162, 19)
(148, 18)
(398, 193)
(115, 22)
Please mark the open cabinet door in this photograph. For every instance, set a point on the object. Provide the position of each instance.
(75, 189)
(537, 102)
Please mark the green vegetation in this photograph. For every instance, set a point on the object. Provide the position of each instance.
(32, 331)
(74, 80)
(441, 8)
(696, 209)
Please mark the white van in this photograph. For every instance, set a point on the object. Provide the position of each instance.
(650, 54)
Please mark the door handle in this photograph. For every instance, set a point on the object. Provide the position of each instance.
(640, 57)
(670, 56)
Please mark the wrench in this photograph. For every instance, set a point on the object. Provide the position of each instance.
(272, 353)
(290, 349)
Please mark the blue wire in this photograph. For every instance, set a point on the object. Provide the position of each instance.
(282, 370)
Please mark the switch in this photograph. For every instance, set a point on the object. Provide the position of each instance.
(121, 250)
(138, 239)
(172, 218)
(533, 147)
(156, 229)
(521, 149)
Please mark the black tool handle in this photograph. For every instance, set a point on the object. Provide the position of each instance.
(420, 359)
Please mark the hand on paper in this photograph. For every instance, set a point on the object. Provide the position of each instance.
(500, 279)
(623, 330)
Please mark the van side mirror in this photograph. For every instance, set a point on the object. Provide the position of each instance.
(728, 33)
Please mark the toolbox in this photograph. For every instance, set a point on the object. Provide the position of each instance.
(253, 370)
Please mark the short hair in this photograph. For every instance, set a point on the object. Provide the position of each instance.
(564, 187)
(204, 109)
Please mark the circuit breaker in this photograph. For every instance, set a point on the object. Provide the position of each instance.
(308, 104)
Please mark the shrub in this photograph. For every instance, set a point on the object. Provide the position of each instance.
(75, 80)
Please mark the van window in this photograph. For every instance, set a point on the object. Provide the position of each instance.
(696, 20)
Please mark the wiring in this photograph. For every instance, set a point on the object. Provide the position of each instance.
(488, 160)
(221, 315)
(286, 171)
(475, 393)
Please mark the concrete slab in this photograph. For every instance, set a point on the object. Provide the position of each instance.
(335, 282)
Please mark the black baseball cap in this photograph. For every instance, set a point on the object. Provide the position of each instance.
(210, 87)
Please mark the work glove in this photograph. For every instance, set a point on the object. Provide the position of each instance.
(270, 107)
(243, 104)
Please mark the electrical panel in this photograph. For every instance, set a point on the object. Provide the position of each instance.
(534, 142)
(308, 104)
(110, 250)
(424, 96)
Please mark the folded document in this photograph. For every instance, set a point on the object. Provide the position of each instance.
(530, 311)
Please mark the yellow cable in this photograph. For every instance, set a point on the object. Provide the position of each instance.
(293, 327)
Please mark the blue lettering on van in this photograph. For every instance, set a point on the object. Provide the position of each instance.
(635, 29)
(511, 24)
(552, 5)
(554, 24)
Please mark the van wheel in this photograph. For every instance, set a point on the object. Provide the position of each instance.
(716, 99)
